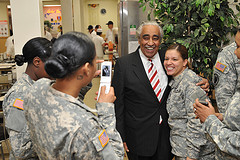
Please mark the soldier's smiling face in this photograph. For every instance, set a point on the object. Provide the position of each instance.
(174, 63)
(237, 40)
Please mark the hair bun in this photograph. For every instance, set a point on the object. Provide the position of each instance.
(63, 60)
(57, 67)
(20, 60)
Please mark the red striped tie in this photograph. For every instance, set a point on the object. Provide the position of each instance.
(154, 80)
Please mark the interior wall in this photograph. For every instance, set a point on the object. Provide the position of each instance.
(111, 13)
(3, 16)
(54, 2)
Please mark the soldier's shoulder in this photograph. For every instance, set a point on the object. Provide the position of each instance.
(18, 88)
(192, 77)
(227, 50)
(43, 82)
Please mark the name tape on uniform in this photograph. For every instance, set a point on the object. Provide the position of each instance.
(220, 66)
(18, 103)
(103, 138)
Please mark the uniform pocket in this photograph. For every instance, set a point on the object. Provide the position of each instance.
(16, 119)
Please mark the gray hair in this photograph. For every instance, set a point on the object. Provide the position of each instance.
(153, 23)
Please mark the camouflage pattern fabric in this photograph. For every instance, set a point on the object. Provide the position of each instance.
(226, 134)
(187, 136)
(225, 76)
(16, 125)
(63, 127)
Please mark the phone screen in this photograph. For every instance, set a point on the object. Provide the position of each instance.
(106, 70)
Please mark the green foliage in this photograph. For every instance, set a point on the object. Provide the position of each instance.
(48, 24)
(201, 25)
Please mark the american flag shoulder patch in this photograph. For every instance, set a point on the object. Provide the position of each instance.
(220, 66)
(18, 103)
(103, 138)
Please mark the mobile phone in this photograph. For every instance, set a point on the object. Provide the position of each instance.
(106, 76)
(204, 103)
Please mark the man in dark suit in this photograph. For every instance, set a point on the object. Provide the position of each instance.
(142, 118)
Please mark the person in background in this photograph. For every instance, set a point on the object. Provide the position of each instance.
(109, 34)
(187, 138)
(94, 32)
(142, 118)
(47, 34)
(10, 45)
(61, 125)
(225, 74)
(35, 52)
(90, 30)
(60, 31)
(99, 44)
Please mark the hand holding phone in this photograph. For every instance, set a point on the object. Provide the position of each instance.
(106, 76)
(108, 98)
(204, 103)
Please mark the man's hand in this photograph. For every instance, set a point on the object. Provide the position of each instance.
(202, 111)
(204, 84)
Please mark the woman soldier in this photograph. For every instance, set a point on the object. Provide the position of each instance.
(35, 52)
(61, 125)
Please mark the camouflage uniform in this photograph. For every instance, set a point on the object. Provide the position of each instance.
(225, 76)
(63, 127)
(187, 136)
(226, 134)
(15, 120)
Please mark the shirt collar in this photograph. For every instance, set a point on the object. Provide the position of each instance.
(27, 78)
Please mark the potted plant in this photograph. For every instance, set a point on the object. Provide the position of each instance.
(201, 25)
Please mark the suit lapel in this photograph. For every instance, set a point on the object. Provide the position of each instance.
(139, 71)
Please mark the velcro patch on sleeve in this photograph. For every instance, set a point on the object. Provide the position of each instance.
(220, 66)
(103, 138)
(18, 103)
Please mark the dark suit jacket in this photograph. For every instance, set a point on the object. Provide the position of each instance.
(138, 109)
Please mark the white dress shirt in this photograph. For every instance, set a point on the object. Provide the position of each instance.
(109, 36)
(98, 41)
(48, 36)
(93, 34)
(161, 73)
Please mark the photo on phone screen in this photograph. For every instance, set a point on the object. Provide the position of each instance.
(106, 70)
